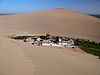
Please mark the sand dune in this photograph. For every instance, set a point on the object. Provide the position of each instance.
(56, 21)
(50, 61)
(13, 61)
(19, 58)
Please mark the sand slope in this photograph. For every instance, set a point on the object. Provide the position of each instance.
(57, 21)
(12, 59)
(55, 61)
(19, 58)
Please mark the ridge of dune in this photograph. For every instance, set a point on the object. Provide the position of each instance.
(56, 21)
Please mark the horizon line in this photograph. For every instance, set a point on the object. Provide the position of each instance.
(44, 10)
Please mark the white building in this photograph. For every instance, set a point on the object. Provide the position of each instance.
(69, 43)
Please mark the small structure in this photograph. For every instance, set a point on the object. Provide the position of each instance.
(49, 41)
(60, 43)
(69, 43)
(48, 36)
(46, 43)
(29, 40)
(38, 41)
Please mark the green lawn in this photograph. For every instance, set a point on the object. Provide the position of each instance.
(88, 44)
(96, 53)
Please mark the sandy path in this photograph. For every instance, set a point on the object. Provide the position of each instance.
(13, 60)
(53, 61)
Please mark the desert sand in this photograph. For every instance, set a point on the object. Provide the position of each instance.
(19, 58)
(55, 21)
(13, 61)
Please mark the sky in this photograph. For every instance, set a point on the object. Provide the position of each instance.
(26, 6)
